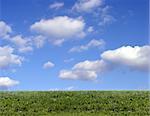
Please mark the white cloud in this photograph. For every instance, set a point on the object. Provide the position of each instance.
(133, 57)
(6, 82)
(19, 41)
(105, 17)
(8, 58)
(93, 43)
(23, 44)
(39, 41)
(60, 29)
(136, 58)
(26, 44)
(4, 29)
(48, 65)
(25, 49)
(77, 74)
(90, 29)
(98, 66)
(56, 5)
(87, 5)
(98, 8)
(86, 70)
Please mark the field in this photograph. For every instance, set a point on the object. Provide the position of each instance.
(75, 103)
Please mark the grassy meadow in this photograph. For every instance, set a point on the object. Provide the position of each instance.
(75, 103)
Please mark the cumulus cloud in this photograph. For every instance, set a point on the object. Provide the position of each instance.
(6, 82)
(8, 58)
(133, 57)
(60, 29)
(77, 74)
(87, 5)
(136, 58)
(48, 65)
(23, 44)
(92, 44)
(86, 70)
(5, 29)
(56, 5)
(96, 66)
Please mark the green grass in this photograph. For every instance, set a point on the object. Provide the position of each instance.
(75, 103)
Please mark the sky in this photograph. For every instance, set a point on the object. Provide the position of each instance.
(74, 45)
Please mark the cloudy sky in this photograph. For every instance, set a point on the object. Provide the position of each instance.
(74, 45)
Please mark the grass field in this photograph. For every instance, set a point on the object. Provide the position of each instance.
(75, 103)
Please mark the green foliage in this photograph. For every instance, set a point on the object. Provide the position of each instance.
(75, 103)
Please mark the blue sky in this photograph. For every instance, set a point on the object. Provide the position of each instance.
(74, 45)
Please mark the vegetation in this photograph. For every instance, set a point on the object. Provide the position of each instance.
(75, 103)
